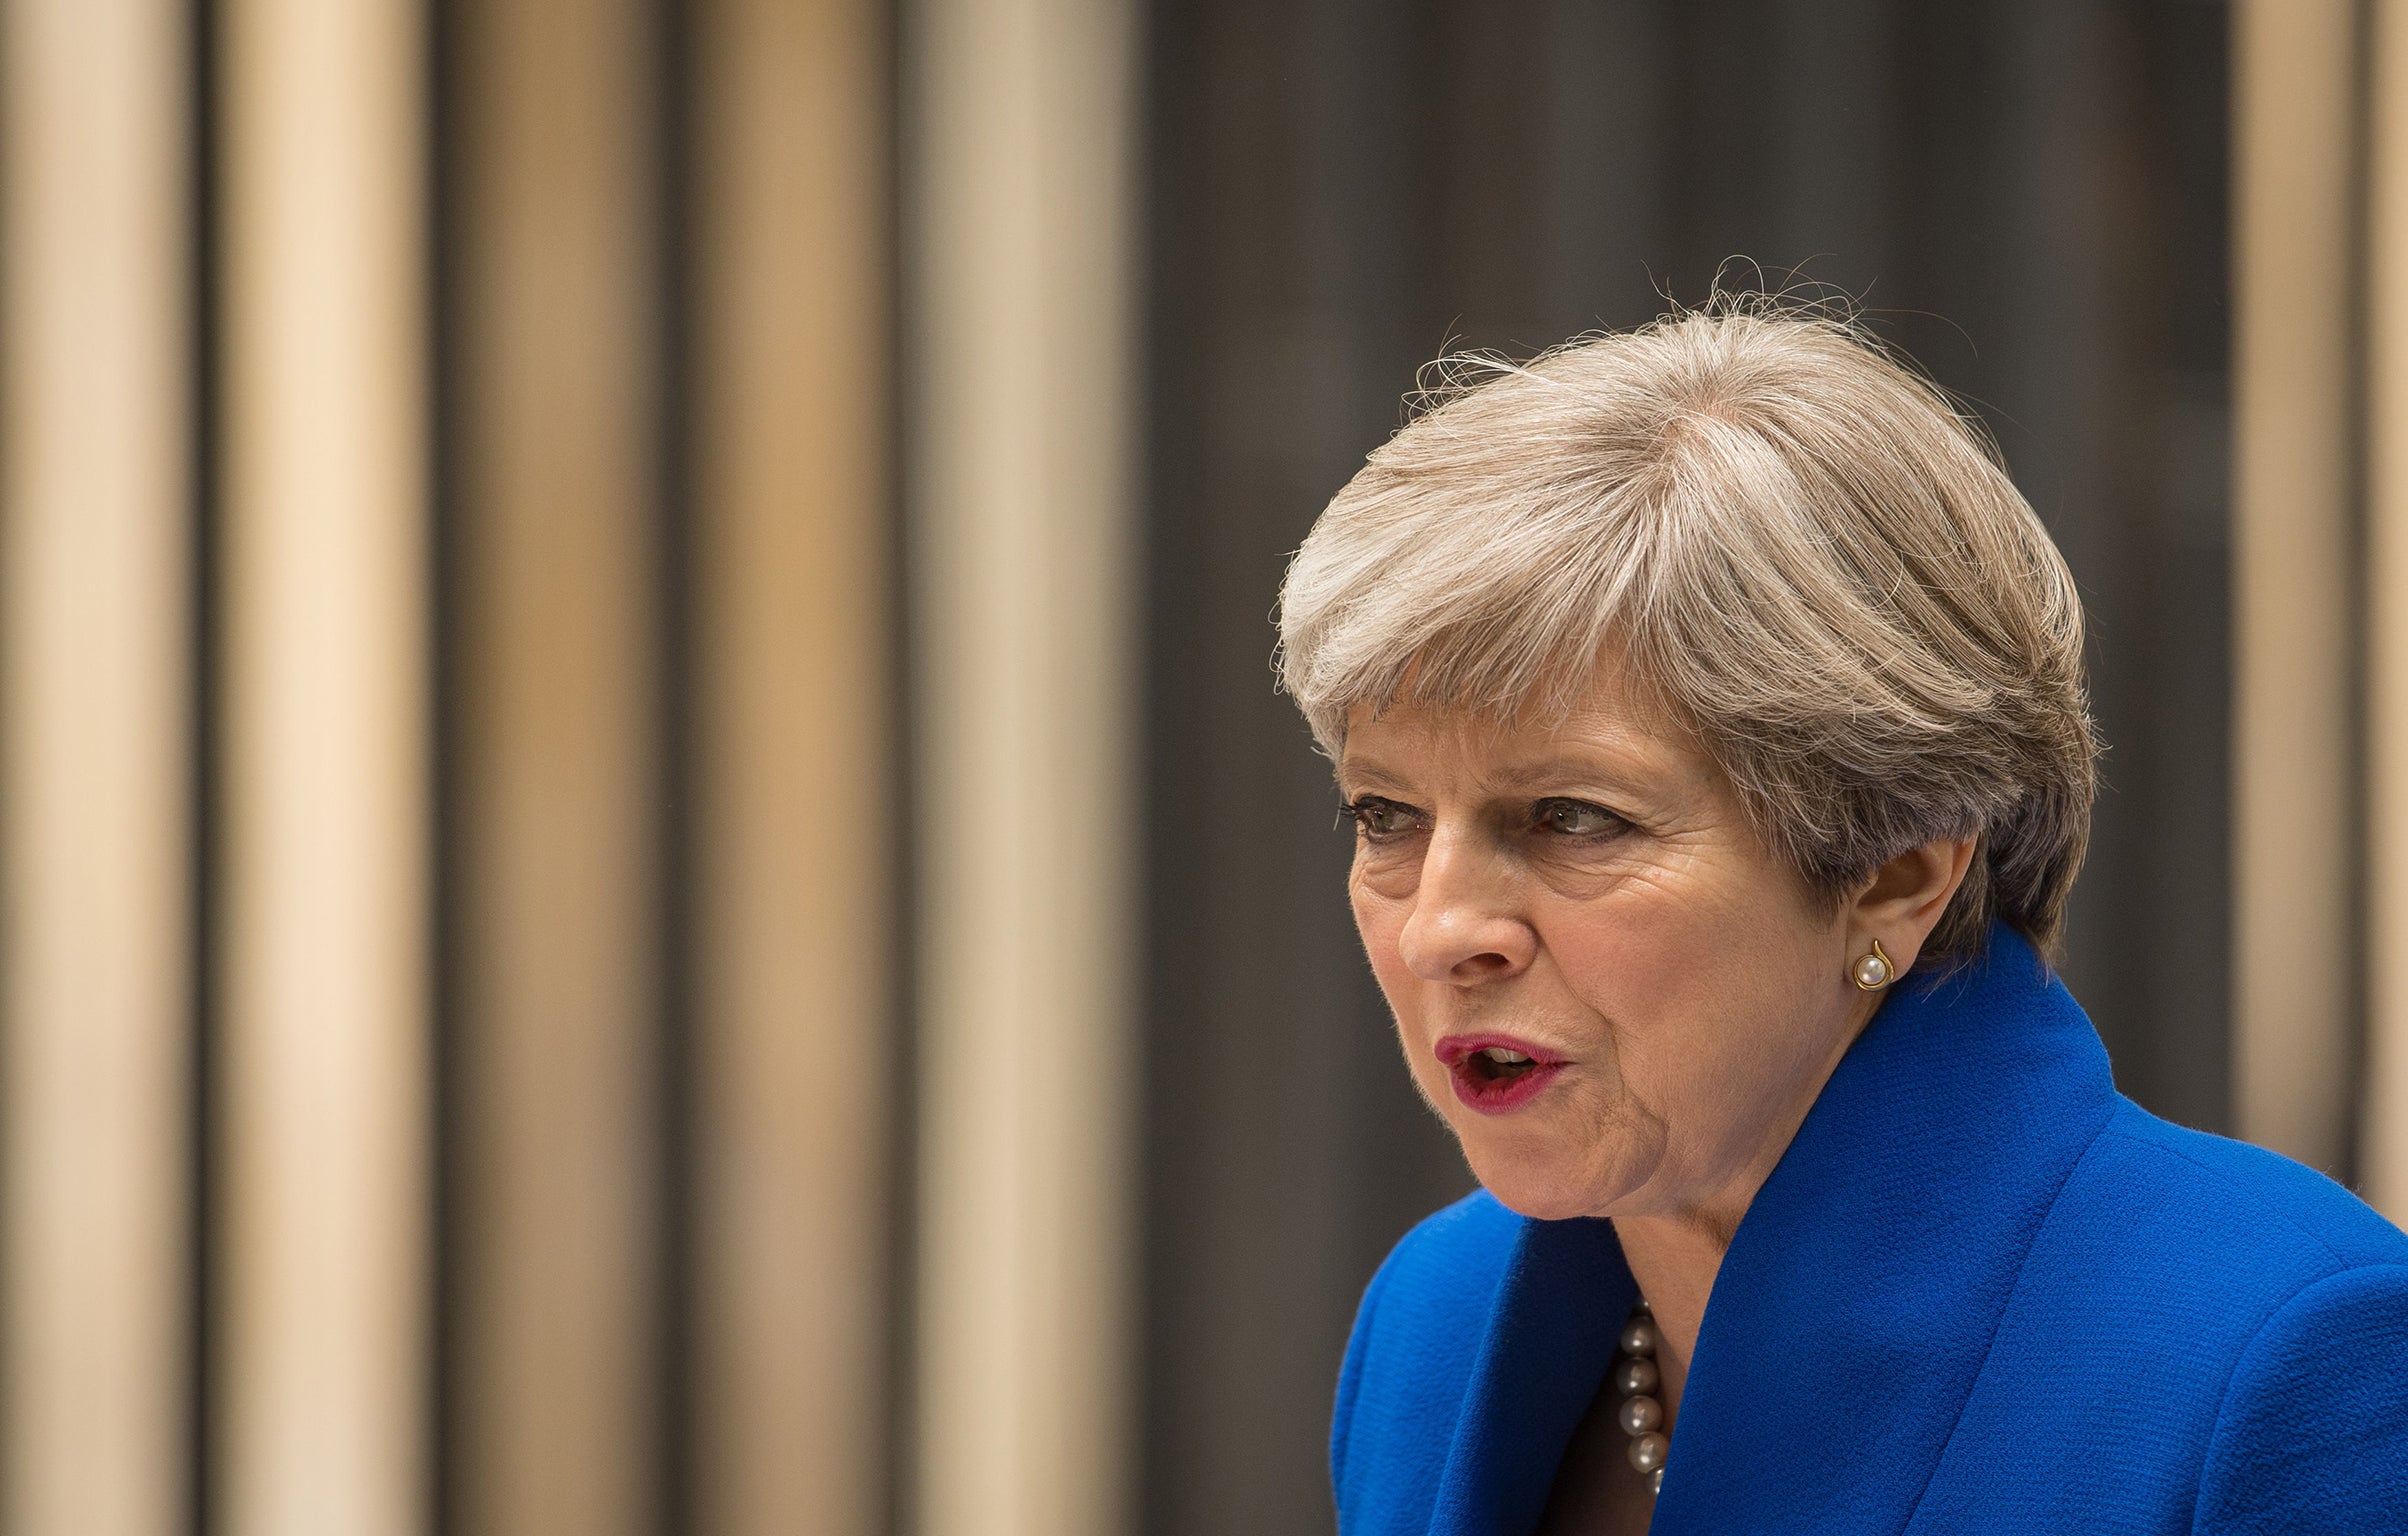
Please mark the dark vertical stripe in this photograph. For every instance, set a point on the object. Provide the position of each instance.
(2357, 517)
(901, 1440)
(675, 62)
(206, 681)
(902, 1512)
(446, 1119)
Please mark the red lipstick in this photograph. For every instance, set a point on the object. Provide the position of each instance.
(1497, 1074)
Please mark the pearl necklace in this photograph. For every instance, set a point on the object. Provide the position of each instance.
(1636, 1377)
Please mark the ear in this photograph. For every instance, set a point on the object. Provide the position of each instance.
(1902, 903)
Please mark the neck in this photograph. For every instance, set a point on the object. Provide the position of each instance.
(1675, 1256)
(1674, 1259)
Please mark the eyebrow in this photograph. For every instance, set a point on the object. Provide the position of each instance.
(1361, 771)
(1540, 772)
(1534, 773)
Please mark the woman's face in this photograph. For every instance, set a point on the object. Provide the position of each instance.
(1617, 997)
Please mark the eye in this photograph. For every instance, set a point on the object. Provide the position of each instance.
(1575, 818)
(1381, 820)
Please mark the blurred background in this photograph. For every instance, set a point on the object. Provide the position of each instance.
(650, 879)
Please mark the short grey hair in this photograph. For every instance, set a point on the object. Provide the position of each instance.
(1796, 544)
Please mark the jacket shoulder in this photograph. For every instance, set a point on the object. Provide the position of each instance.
(1410, 1357)
(2170, 1174)
(2312, 1434)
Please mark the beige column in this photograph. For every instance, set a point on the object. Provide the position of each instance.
(797, 806)
(557, 875)
(2293, 565)
(2384, 1149)
(319, 1424)
(1022, 807)
(95, 766)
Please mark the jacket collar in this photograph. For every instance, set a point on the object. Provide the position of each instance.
(1859, 1294)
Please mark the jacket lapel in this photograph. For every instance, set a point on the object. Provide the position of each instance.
(1860, 1294)
(1548, 1342)
(1857, 1300)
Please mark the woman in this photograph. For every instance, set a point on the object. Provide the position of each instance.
(1710, 707)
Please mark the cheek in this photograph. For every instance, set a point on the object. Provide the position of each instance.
(1703, 985)
(1642, 951)
(1380, 921)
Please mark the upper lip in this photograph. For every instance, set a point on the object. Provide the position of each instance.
(1452, 1049)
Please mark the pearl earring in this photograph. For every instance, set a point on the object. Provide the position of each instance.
(1874, 971)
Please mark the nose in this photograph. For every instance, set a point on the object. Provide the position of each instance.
(1465, 927)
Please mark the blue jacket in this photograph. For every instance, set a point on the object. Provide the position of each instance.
(1982, 1291)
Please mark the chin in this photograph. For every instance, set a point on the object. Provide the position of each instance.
(1530, 1182)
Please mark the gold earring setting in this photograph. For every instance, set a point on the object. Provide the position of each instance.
(1875, 971)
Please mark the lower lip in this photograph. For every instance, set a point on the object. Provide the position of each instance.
(1502, 1096)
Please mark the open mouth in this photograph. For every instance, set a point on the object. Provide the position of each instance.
(1494, 1074)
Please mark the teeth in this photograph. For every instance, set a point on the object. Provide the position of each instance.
(1504, 1057)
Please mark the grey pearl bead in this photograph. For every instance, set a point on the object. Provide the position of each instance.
(1655, 1481)
(1639, 1338)
(1642, 1308)
(1635, 1376)
(1647, 1452)
(1642, 1416)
